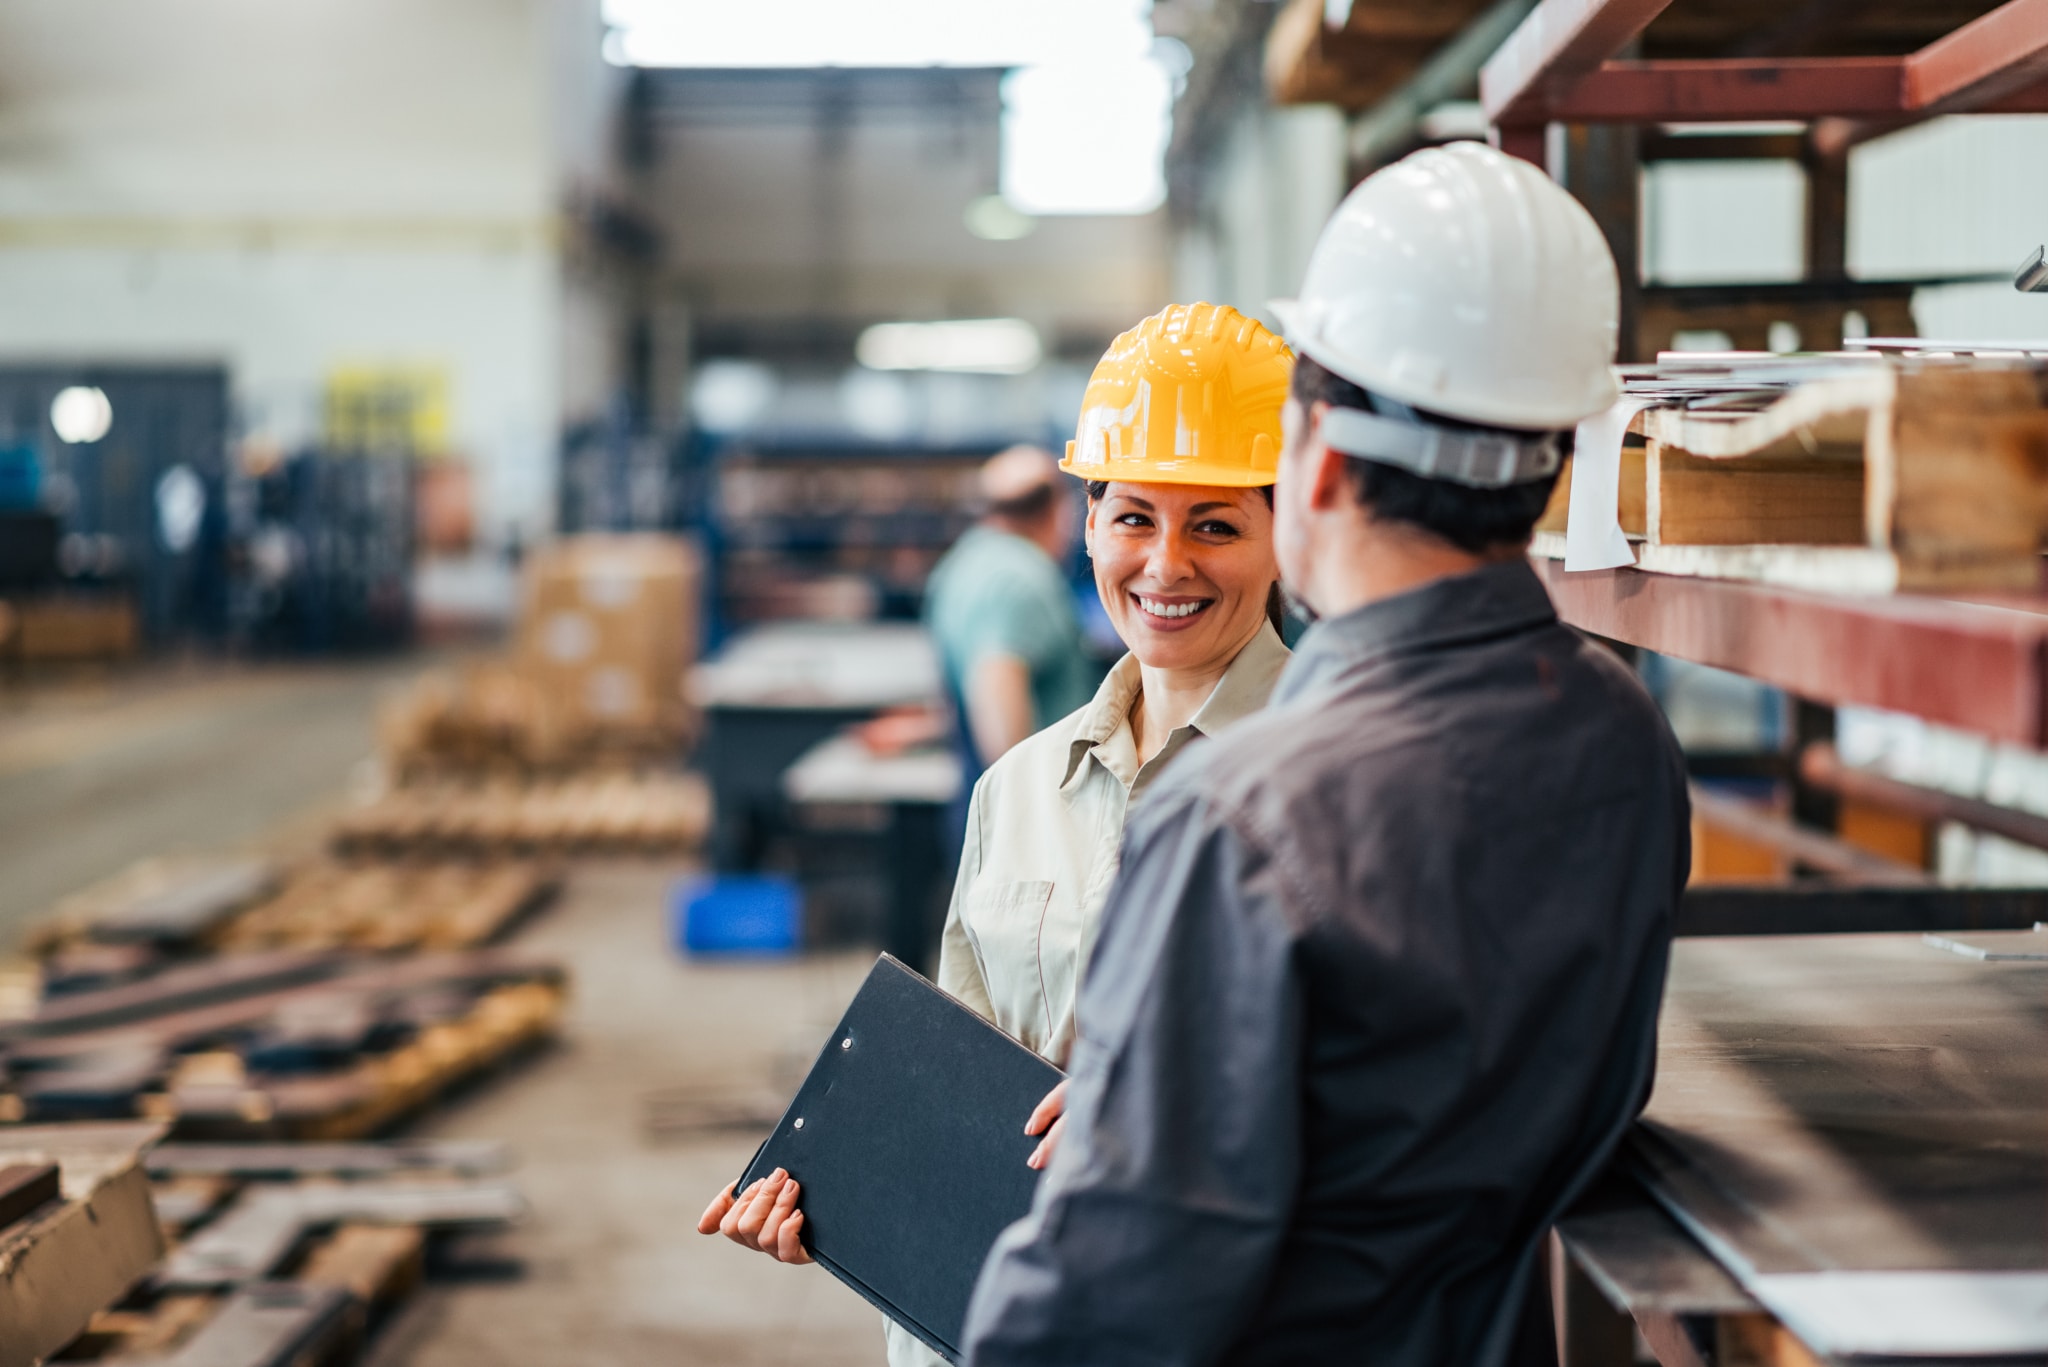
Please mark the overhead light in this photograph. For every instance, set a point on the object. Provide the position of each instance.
(993, 219)
(728, 396)
(81, 414)
(998, 346)
(1087, 106)
(1087, 138)
(873, 33)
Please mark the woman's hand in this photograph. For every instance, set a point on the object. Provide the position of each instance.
(1048, 1117)
(764, 1218)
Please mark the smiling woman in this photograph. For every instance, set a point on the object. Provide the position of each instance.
(1178, 442)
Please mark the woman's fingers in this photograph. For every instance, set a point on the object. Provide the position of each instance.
(789, 1245)
(714, 1214)
(755, 1214)
(728, 1224)
(772, 1238)
(1047, 1110)
(1042, 1155)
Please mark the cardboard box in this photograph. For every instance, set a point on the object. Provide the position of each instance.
(58, 1269)
(608, 625)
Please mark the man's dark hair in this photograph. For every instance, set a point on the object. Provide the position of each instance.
(1475, 520)
(1026, 508)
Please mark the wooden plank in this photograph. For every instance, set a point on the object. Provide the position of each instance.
(1957, 469)
(377, 1264)
(272, 1324)
(1806, 500)
(25, 1188)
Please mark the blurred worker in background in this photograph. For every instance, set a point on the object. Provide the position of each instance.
(1178, 443)
(1002, 616)
(1377, 986)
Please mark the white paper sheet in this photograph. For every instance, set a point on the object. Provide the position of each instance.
(1593, 538)
(1911, 1314)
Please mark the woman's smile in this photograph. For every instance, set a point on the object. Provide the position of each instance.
(1168, 613)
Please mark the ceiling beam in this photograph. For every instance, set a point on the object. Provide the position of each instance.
(2001, 54)
(1734, 89)
(1560, 41)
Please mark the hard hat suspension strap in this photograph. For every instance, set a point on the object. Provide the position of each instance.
(1480, 460)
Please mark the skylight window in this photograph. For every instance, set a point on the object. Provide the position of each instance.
(1087, 107)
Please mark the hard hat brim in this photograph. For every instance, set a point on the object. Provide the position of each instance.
(1196, 474)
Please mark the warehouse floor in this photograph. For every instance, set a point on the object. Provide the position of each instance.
(665, 1077)
(97, 772)
(613, 1272)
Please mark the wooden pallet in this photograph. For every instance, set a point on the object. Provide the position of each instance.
(611, 813)
(216, 1095)
(280, 1044)
(286, 1255)
(1917, 474)
(355, 904)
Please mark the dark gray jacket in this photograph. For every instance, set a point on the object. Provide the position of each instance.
(1376, 991)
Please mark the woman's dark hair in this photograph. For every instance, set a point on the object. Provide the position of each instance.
(1276, 603)
(1475, 520)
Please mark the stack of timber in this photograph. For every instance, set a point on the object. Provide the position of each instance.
(170, 901)
(76, 1229)
(1858, 473)
(655, 812)
(278, 1044)
(377, 905)
(288, 1255)
(164, 911)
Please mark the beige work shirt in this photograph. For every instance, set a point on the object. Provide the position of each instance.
(1043, 831)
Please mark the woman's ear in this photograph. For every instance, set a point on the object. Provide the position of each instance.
(1088, 528)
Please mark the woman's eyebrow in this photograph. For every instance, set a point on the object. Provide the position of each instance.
(1200, 508)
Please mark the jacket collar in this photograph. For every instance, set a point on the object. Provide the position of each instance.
(1494, 600)
(1242, 690)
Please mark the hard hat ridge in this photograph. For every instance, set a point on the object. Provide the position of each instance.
(1466, 283)
(1191, 395)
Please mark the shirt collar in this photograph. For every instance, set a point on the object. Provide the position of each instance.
(1243, 690)
(1493, 600)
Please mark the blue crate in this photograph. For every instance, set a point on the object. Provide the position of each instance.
(737, 914)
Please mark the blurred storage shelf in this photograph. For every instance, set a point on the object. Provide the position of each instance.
(1978, 663)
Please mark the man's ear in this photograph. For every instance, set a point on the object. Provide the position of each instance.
(1329, 479)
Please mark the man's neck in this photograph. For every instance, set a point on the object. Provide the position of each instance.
(1386, 560)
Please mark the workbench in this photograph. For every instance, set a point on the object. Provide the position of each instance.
(915, 788)
(774, 693)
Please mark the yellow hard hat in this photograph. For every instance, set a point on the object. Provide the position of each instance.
(1192, 395)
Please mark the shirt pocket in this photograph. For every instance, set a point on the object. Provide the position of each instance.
(1006, 920)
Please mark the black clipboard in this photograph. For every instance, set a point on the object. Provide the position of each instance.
(908, 1137)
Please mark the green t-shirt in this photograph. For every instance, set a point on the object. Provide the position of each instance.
(997, 593)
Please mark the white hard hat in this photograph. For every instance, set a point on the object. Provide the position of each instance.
(1467, 283)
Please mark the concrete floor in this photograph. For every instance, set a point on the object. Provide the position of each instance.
(97, 773)
(613, 1272)
(609, 1269)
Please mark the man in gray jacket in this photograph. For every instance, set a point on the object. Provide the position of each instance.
(1376, 989)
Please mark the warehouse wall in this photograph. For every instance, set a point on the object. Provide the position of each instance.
(289, 188)
(861, 218)
(1279, 175)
